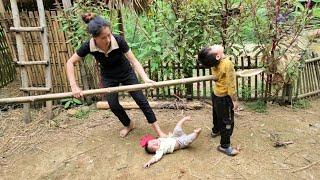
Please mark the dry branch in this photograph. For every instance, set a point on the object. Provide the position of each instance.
(306, 167)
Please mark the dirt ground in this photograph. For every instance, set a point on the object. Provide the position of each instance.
(90, 148)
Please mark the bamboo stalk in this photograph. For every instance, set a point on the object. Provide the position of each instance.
(106, 90)
(308, 94)
(312, 60)
(46, 53)
(61, 47)
(21, 56)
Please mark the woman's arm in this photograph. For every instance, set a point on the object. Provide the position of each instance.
(138, 67)
(76, 91)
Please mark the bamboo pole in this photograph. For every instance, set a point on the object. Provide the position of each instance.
(134, 87)
(46, 53)
(66, 4)
(2, 9)
(21, 56)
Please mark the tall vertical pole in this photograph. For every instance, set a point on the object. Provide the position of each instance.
(66, 4)
(2, 9)
(46, 53)
(21, 58)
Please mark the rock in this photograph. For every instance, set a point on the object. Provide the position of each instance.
(316, 125)
(85, 109)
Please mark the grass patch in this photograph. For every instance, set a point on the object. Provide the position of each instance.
(257, 106)
(82, 113)
(301, 104)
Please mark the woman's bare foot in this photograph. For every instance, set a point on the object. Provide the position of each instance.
(125, 131)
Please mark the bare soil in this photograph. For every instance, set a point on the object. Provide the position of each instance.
(89, 147)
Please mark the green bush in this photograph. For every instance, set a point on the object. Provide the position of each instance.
(301, 104)
(257, 106)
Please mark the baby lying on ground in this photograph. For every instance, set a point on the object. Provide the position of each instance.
(177, 140)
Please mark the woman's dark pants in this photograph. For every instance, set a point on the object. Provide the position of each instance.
(138, 96)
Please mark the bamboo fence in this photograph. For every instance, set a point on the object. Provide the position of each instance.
(87, 75)
(7, 68)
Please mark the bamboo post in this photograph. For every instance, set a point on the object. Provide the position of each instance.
(134, 87)
(46, 53)
(20, 48)
(2, 9)
(66, 4)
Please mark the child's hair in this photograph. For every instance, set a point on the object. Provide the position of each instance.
(148, 150)
(206, 59)
(95, 23)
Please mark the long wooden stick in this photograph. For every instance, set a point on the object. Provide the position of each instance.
(305, 167)
(105, 90)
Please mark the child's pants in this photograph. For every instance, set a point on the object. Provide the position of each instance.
(223, 118)
(183, 139)
(138, 97)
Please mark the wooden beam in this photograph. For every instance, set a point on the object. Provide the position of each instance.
(2, 9)
(26, 29)
(21, 58)
(36, 89)
(134, 87)
(155, 105)
(46, 53)
(312, 60)
(27, 63)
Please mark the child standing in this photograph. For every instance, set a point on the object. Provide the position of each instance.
(177, 140)
(224, 99)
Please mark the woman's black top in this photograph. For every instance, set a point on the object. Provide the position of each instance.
(114, 63)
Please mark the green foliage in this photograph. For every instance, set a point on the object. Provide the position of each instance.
(292, 71)
(82, 113)
(301, 104)
(171, 33)
(74, 26)
(174, 31)
(245, 92)
(70, 102)
(257, 106)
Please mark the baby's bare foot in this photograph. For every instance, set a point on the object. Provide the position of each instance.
(186, 118)
(125, 131)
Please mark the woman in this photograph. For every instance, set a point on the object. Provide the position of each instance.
(116, 61)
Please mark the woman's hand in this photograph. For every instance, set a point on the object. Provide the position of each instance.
(76, 91)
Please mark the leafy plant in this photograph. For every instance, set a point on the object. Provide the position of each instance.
(278, 29)
(82, 113)
(70, 102)
(301, 104)
(257, 106)
(245, 92)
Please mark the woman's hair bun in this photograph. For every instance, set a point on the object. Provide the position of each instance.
(87, 17)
